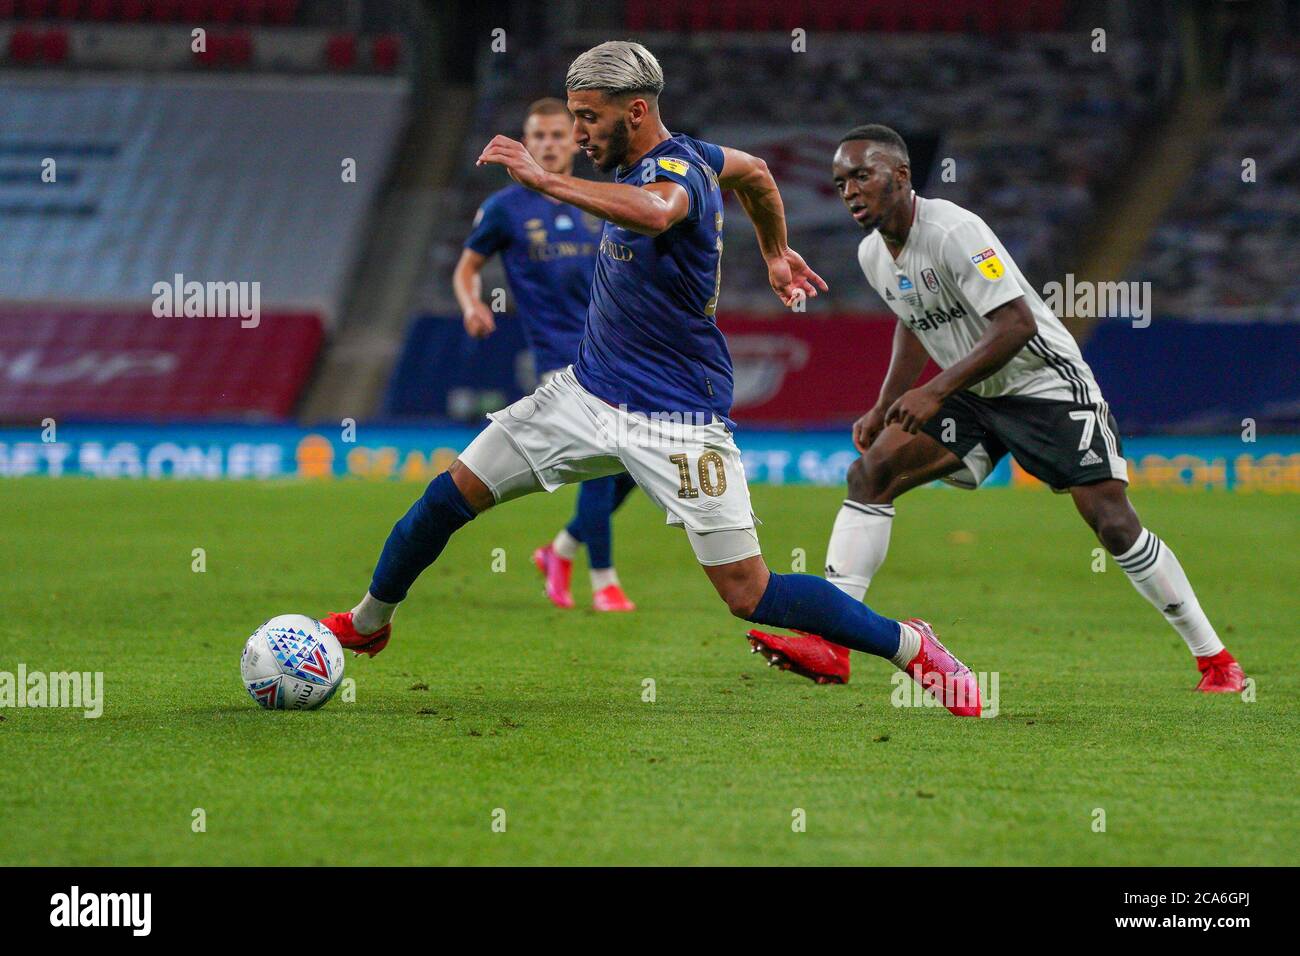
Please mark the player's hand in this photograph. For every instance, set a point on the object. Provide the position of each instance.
(519, 163)
(479, 322)
(866, 428)
(791, 279)
(914, 409)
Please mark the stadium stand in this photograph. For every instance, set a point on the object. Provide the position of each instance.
(224, 165)
(237, 35)
(233, 181)
(1030, 122)
(1227, 249)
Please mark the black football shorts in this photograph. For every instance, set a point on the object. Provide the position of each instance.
(1061, 443)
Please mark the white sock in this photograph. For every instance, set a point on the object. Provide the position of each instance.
(602, 578)
(858, 545)
(371, 614)
(909, 645)
(1154, 570)
(566, 545)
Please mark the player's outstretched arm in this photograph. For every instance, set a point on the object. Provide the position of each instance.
(649, 210)
(467, 284)
(1011, 326)
(750, 179)
(906, 363)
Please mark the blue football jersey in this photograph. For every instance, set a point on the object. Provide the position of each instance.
(651, 341)
(549, 253)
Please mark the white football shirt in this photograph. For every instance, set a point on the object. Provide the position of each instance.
(949, 275)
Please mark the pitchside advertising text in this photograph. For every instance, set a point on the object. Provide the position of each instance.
(1267, 464)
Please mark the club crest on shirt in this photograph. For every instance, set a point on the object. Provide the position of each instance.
(930, 279)
(989, 265)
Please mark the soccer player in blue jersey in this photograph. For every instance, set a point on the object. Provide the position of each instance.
(651, 390)
(548, 249)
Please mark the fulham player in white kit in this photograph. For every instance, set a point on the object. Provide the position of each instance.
(1012, 380)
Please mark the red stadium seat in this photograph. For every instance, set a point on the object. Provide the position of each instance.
(132, 10)
(67, 9)
(827, 18)
(213, 50)
(252, 11)
(791, 15)
(238, 50)
(281, 11)
(35, 9)
(386, 52)
(100, 9)
(24, 46)
(341, 51)
(634, 15)
(54, 46)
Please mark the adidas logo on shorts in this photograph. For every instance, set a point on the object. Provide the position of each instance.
(1092, 458)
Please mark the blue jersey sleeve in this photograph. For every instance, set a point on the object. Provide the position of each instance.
(712, 154)
(687, 175)
(491, 232)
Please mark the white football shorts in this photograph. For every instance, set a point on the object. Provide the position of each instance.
(565, 435)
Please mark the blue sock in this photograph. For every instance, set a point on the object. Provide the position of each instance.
(419, 537)
(623, 486)
(597, 500)
(808, 603)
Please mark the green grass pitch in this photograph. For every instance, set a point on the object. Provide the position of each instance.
(488, 698)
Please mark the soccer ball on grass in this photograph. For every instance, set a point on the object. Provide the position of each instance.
(292, 662)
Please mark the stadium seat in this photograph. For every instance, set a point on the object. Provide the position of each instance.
(238, 50)
(54, 46)
(281, 11)
(24, 46)
(386, 52)
(341, 51)
(213, 50)
(35, 9)
(164, 11)
(252, 11)
(634, 15)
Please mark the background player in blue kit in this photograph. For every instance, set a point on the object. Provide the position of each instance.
(651, 390)
(548, 249)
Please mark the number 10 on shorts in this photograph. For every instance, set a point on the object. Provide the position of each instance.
(712, 475)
